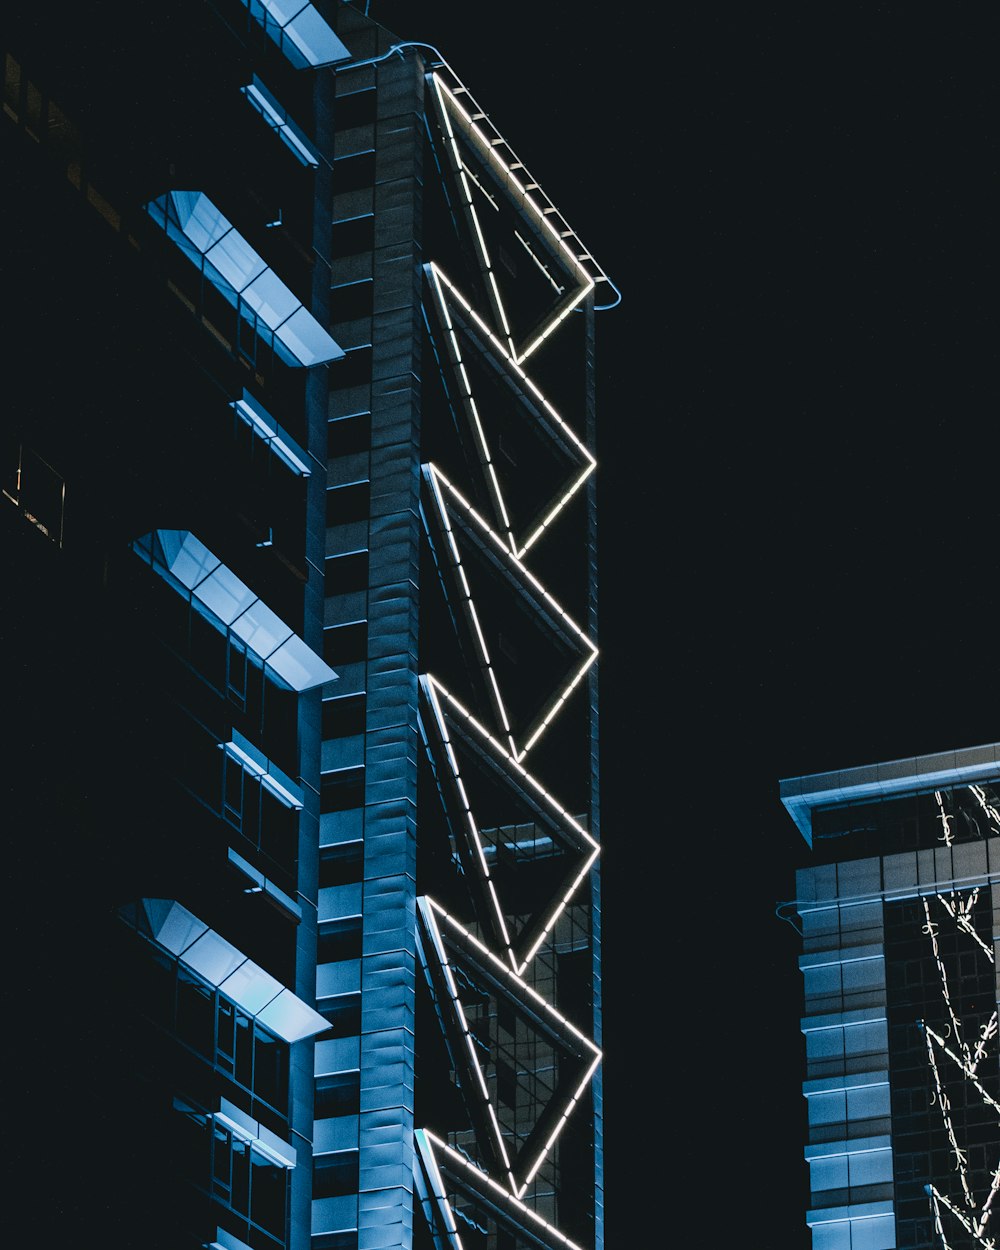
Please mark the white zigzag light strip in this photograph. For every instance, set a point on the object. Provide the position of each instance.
(446, 100)
(440, 281)
(458, 1161)
(437, 479)
(522, 987)
(459, 1015)
(434, 688)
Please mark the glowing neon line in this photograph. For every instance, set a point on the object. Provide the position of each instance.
(588, 864)
(930, 928)
(559, 697)
(431, 688)
(473, 829)
(947, 837)
(509, 1200)
(521, 989)
(945, 1106)
(518, 767)
(558, 1129)
(470, 609)
(994, 1189)
(520, 984)
(498, 542)
(441, 1194)
(459, 165)
(439, 280)
(989, 1030)
(959, 909)
(960, 914)
(938, 1226)
(587, 283)
(512, 162)
(974, 1230)
(966, 1068)
(988, 808)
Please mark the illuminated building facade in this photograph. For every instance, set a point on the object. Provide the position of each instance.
(299, 549)
(900, 920)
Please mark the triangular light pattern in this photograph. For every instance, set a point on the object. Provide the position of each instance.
(518, 955)
(435, 1162)
(455, 121)
(434, 919)
(447, 497)
(448, 297)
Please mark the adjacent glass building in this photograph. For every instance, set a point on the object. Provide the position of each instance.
(900, 920)
(299, 642)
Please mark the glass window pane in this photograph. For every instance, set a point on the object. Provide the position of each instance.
(270, 299)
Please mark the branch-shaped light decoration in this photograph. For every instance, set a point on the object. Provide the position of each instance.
(975, 1217)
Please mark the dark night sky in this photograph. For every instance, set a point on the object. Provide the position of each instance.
(798, 503)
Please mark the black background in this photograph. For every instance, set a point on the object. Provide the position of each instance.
(798, 503)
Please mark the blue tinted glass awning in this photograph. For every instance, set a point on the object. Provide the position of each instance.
(276, 116)
(217, 593)
(210, 242)
(265, 427)
(299, 32)
(176, 930)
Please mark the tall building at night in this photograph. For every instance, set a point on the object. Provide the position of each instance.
(299, 642)
(900, 919)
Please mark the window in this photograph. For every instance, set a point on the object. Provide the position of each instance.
(248, 1181)
(257, 800)
(278, 440)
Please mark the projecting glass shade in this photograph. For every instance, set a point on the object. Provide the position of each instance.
(174, 929)
(277, 118)
(299, 32)
(185, 563)
(227, 260)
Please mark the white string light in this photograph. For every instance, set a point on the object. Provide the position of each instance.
(959, 908)
(947, 837)
(988, 808)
